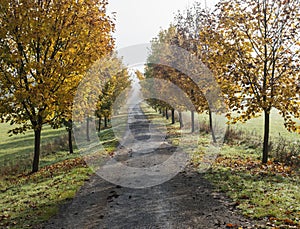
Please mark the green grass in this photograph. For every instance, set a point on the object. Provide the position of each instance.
(17, 151)
(269, 192)
(276, 127)
(108, 140)
(255, 126)
(261, 191)
(27, 200)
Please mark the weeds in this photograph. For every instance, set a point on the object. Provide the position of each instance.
(286, 151)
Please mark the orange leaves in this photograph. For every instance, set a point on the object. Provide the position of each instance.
(139, 75)
(235, 226)
(59, 167)
(254, 54)
(254, 166)
(48, 49)
(64, 165)
(238, 163)
(287, 222)
(170, 61)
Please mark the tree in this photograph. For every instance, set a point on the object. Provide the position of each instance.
(46, 46)
(253, 49)
(69, 126)
(139, 75)
(189, 25)
(159, 50)
(117, 81)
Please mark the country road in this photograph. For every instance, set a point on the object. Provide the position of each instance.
(185, 201)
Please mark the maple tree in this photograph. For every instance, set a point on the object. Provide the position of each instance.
(253, 49)
(117, 81)
(162, 49)
(186, 36)
(45, 48)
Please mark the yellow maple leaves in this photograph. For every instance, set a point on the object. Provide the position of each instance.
(47, 46)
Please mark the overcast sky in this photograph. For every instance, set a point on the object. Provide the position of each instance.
(138, 21)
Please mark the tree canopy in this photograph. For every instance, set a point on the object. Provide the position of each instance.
(45, 47)
(253, 49)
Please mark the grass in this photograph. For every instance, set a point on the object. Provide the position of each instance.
(255, 126)
(261, 191)
(27, 200)
(30, 200)
(108, 140)
(269, 192)
(16, 152)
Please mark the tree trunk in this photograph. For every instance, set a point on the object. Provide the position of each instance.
(266, 136)
(105, 121)
(167, 115)
(159, 110)
(193, 121)
(163, 112)
(88, 129)
(70, 140)
(192, 113)
(37, 144)
(180, 120)
(211, 126)
(99, 124)
(173, 116)
(227, 134)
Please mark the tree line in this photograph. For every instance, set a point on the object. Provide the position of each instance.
(253, 50)
(46, 49)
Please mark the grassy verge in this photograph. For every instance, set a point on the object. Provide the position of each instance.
(30, 199)
(27, 200)
(269, 192)
(255, 126)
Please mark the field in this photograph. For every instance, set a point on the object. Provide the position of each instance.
(16, 152)
(255, 126)
(277, 128)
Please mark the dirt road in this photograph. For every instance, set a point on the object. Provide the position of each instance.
(186, 201)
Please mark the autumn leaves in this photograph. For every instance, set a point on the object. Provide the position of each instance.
(253, 51)
(46, 47)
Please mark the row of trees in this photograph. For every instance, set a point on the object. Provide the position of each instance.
(46, 48)
(118, 82)
(251, 47)
(98, 94)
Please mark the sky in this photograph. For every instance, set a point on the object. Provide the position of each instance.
(138, 21)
